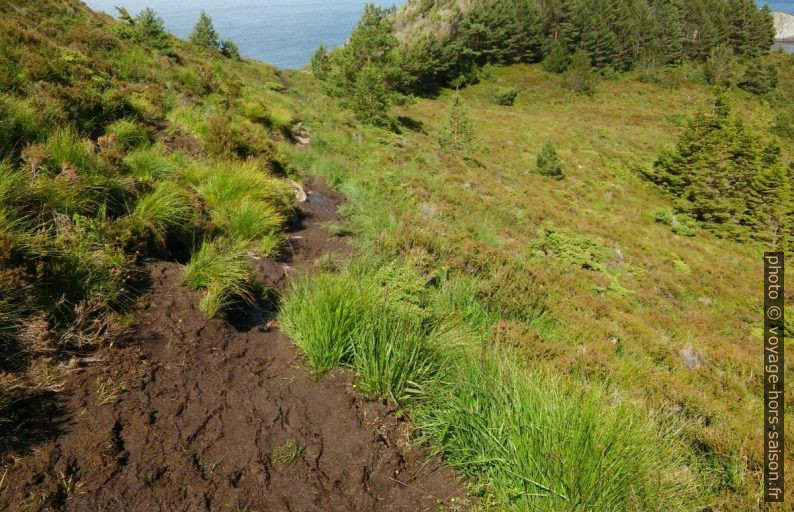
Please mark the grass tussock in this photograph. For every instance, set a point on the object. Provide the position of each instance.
(547, 444)
(220, 268)
(323, 315)
(166, 209)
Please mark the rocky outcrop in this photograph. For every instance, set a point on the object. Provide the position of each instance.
(784, 27)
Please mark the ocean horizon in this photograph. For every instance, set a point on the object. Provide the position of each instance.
(283, 33)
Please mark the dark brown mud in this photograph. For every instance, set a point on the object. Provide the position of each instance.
(201, 415)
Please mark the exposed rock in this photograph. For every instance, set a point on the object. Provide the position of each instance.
(784, 26)
(691, 357)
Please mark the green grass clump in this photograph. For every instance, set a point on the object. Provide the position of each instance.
(165, 209)
(148, 164)
(249, 220)
(19, 124)
(220, 267)
(323, 315)
(128, 134)
(65, 146)
(544, 444)
(394, 356)
(229, 183)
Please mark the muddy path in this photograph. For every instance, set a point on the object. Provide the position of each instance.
(201, 415)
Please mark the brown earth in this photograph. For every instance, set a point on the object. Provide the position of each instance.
(202, 415)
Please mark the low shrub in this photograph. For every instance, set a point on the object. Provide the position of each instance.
(505, 95)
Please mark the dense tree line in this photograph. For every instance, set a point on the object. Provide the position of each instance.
(375, 67)
(616, 34)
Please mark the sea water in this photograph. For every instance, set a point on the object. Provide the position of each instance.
(284, 33)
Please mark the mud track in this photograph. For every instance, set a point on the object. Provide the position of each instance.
(204, 415)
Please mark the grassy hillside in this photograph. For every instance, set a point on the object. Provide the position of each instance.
(119, 142)
(575, 278)
(550, 320)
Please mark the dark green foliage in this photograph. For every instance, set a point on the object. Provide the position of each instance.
(616, 35)
(721, 67)
(505, 95)
(204, 33)
(557, 60)
(366, 71)
(229, 49)
(320, 64)
(457, 134)
(370, 99)
(725, 175)
(548, 161)
(758, 78)
(148, 27)
(579, 76)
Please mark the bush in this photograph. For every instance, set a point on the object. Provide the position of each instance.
(758, 78)
(457, 134)
(548, 161)
(557, 60)
(220, 268)
(579, 76)
(505, 96)
(230, 50)
(720, 68)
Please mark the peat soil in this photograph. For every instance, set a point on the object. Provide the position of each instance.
(200, 415)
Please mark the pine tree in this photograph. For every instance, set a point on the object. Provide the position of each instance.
(720, 68)
(229, 49)
(204, 33)
(724, 174)
(758, 78)
(457, 134)
(320, 63)
(548, 161)
(370, 100)
(579, 75)
(557, 59)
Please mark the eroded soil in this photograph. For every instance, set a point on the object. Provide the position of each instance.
(201, 415)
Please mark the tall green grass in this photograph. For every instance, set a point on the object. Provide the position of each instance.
(220, 268)
(65, 146)
(149, 164)
(395, 356)
(539, 443)
(165, 209)
(322, 317)
(128, 134)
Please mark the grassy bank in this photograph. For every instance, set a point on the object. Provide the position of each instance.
(118, 143)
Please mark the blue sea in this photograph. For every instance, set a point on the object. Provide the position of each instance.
(284, 33)
(281, 32)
